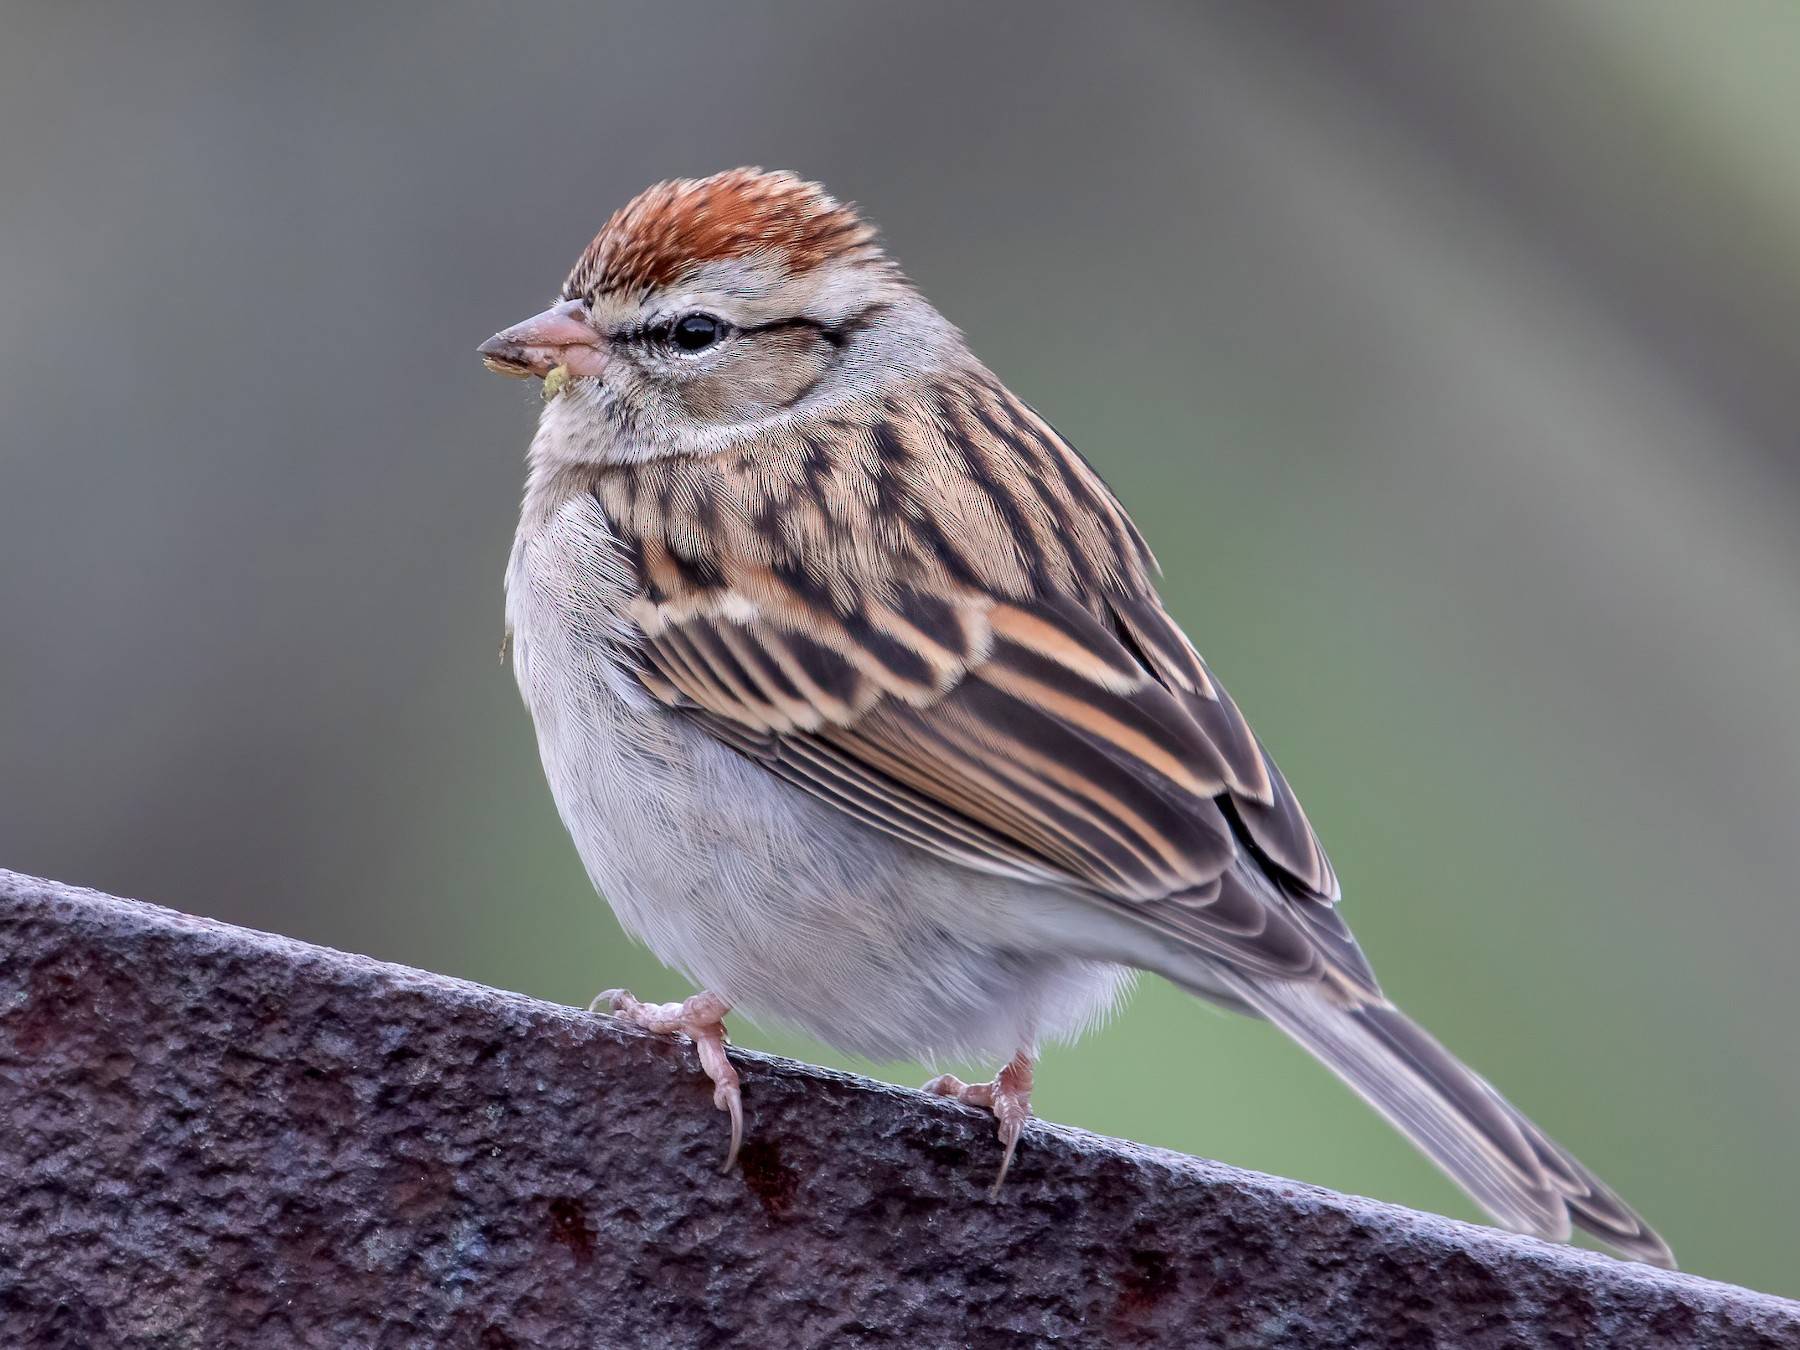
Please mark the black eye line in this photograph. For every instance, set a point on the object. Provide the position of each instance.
(776, 325)
(837, 334)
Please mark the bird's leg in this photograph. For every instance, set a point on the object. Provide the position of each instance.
(701, 1020)
(1008, 1097)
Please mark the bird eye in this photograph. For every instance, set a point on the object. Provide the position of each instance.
(696, 332)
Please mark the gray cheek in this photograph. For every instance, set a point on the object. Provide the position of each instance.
(764, 376)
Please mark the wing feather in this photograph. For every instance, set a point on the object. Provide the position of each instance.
(1032, 710)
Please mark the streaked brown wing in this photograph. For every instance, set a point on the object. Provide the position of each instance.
(1041, 717)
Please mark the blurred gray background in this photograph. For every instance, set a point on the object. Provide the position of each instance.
(1446, 353)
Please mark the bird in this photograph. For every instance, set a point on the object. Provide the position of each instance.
(854, 689)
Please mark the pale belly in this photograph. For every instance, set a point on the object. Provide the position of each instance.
(789, 909)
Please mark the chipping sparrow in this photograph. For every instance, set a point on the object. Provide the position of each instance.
(854, 689)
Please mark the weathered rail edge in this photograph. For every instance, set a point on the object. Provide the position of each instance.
(213, 1137)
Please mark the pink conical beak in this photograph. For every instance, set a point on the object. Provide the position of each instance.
(561, 336)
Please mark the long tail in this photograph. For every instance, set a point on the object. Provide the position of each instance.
(1514, 1171)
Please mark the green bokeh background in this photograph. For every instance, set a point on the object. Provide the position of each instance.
(1446, 354)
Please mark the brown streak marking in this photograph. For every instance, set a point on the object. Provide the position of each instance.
(1046, 786)
(1133, 833)
(997, 470)
(792, 712)
(939, 479)
(686, 667)
(1097, 723)
(831, 708)
(1166, 663)
(948, 664)
(995, 805)
(659, 573)
(1046, 639)
(910, 805)
(1261, 786)
(1057, 519)
(1132, 546)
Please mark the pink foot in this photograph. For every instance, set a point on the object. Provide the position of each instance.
(1008, 1097)
(701, 1020)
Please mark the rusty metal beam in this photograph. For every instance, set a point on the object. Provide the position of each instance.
(215, 1137)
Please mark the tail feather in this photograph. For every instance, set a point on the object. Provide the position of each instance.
(1512, 1169)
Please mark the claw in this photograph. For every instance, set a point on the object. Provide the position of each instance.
(701, 1020)
(1008, 1097)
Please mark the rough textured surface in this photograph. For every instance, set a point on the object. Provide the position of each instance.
(213, 1137)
